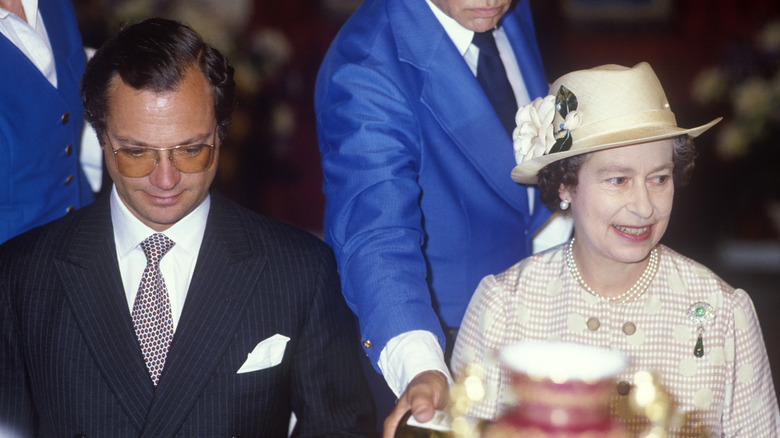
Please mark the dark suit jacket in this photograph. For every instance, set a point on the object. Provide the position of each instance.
(416, 167)
(70, 363)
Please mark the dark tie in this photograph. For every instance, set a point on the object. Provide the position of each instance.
(152, 317)
(492, 77)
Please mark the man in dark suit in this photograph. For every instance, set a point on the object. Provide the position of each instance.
(416, 104)
(238, 321)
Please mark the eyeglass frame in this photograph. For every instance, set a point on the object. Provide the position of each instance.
(170, 149)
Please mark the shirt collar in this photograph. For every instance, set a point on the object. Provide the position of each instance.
(129, 231)
(458, 34)
(30, 10)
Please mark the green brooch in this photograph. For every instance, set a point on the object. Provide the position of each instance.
(700, 313)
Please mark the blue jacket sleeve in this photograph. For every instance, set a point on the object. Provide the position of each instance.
(371, 159)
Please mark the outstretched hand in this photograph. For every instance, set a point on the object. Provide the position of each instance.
(427, 392)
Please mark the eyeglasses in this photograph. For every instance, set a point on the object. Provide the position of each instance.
(139, 161)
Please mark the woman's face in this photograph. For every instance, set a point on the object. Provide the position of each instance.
(622, 202)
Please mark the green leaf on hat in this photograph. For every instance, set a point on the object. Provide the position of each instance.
(562, 144)
(565, 101)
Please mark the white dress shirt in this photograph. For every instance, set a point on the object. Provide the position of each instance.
(177, 266)
(411, 353)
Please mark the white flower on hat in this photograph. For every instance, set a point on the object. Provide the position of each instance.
(534, 134)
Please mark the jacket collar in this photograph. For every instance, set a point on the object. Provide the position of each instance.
(470, 121)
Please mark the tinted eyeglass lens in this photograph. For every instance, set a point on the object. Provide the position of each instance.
(192, 158)
(138, 162)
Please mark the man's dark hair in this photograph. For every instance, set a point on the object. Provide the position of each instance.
(154, 55)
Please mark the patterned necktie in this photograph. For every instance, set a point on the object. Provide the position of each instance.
(491, 75)
(152, 317)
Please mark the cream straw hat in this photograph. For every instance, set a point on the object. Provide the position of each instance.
(591, 110)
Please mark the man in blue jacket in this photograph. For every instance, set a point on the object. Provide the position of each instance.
(40, 114)
(416, 163)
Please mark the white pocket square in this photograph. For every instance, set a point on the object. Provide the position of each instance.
(266, 354)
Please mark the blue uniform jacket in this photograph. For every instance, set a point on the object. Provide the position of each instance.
(40, 128)
(416, 164)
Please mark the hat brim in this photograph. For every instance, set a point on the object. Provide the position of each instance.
(527, 171)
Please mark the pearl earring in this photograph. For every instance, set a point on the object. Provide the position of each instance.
(564, 205)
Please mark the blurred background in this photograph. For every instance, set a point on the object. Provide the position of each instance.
(714, 58)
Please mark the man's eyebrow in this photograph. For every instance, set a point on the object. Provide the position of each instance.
(131, 142)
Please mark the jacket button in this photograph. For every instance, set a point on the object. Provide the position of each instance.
(68, 150)
(593, 324)
(70, 209)
(69, 179)
(367, 343)
(629, 328)
(65, 118)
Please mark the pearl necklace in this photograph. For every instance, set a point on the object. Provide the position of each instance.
(632, 293)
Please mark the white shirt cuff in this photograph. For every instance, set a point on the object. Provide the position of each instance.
(408, 355)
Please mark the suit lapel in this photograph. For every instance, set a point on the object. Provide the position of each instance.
(57, 38)
(453, 94)
(474, 128)
(92, 283)
(226, 274)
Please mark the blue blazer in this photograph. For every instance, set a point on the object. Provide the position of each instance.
(70, 364)
(40, 128)
(416, 164)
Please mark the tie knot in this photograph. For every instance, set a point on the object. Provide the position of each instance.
(485, 43)
(156, 246)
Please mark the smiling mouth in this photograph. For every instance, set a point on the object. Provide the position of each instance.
(635, 231)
